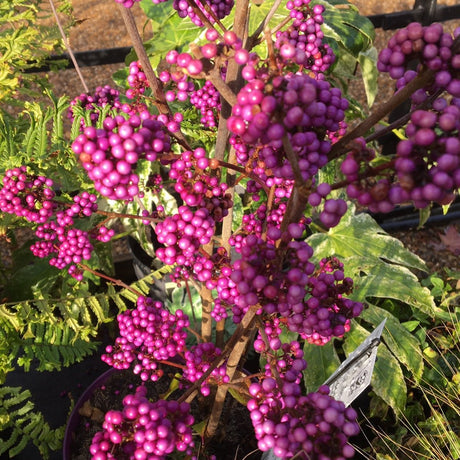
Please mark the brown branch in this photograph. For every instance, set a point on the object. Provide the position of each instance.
(69, 49)
(253, 39)
(109, 278)
(155, 84)
(245, 324)
(237, 351)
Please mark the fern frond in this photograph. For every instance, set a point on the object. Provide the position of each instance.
(20, 424)
(144, 284)
(82, 314)
(53, 346)
(61, 106)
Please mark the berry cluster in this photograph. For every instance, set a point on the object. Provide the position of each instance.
(425, 168)
(432, 47)
(198, 186)
(110, 155)
(207, 101)
(182, 234)
(329, 312)
(315, 424)
(209, 8)
(93, 103)
(260, 279)
(148, 334)
(70, 246)
(32, 197)
(302, 43)
(27, 195)
(127, 3)
(198, 360)
(293, 111)
(138, 83)
(288, 362)
(144, 429)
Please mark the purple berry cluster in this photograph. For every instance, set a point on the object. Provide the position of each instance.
(302, 42)
(198, 360)
(298, 110)
(432, 47)
(287, 360)
(207, 101)
(425, 168)
(183, 233)
(67, 244)
(329, 311)
(198, 186)
(93, 103)
(210, 9)
(110, 155)
(27, 195)
(315, 424)
(33, 198)
(149, 334)
(127, 3)
(144, 430)
(311, 301)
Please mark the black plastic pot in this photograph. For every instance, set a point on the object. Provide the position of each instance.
(143, 265)
(75, 417)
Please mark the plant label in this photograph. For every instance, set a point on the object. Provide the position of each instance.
(354, 375)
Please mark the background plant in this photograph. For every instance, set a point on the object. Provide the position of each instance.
(386, 259)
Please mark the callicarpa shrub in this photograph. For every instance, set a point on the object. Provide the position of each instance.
(232, 150)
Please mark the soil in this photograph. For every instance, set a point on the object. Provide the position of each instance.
(235, 439)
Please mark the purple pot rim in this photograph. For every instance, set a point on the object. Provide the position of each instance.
(74, 417)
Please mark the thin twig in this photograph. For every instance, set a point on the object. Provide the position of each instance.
(252, 40)
(69, 49)
(420, 81)
(293, 160)
(109, 278)
(404, 119)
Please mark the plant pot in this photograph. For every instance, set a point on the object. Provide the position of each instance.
(107, 392)
(143, 265)
(75, 417)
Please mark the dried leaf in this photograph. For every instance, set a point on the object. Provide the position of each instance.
(451, 239)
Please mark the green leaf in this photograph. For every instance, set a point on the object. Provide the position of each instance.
(360, 235)
(387, 380)
(242, 398)
(345, 25)
(424, 215)
(404, 346)
(410, 325)
(368, 63)
(322, 361)
(169, 30)
(376, 279)
(20, 286)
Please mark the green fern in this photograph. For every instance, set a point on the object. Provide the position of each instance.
(82, 314)
(20, 424)
(36, 138)
(53, 346)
